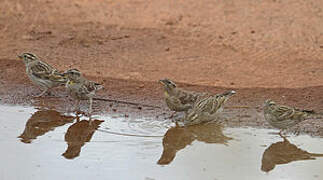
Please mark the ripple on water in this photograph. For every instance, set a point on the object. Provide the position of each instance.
(135, 127)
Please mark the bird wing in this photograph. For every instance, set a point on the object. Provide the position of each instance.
(43, 70)
(211, 104)
(218, 102)
(284, 112)
(203, 105)
(176, 104)
(91, 87)
(189, 96)
(57, 77)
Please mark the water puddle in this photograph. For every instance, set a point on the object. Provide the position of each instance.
(46, 144)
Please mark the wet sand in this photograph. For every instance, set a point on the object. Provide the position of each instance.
(245, 109)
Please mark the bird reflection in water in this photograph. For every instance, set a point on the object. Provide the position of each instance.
(78, 134)
(284, 152)
(42, 122)
(177, 138)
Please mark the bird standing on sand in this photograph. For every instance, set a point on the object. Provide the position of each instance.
(80, 88)
(41, 73)
(206, 108)
(283, 117)
(177, 99)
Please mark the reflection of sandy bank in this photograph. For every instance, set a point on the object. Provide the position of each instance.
(76, 136)
(177, 138)
(41, 122)
(284, 152)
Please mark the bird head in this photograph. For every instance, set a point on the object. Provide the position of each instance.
(167, 83)
(269, 102)
(229, 93)
(72, 74)
(28, 57)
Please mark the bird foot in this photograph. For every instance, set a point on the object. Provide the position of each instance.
(172, 115)
(78, 112)
(37, 96)
(279, 133)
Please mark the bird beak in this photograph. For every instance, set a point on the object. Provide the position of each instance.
(64, 74)
(162, 82)
(19, 56)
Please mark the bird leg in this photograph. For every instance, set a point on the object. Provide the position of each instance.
(90, 120)
(90, 107)
(42, 93)
(78, 108)
(172, 115)
(50, 93)
(281, 134)
(77, 118)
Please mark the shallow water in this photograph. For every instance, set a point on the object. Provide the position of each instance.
(45, 144)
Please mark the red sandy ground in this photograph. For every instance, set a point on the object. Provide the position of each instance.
(263, 49)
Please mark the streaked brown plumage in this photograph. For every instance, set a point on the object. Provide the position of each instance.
(178, 99)
(283, 117)
(41, 73)
(206, 108)
(80, 88)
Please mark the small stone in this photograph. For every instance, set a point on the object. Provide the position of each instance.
(27, 37)
(100, 42)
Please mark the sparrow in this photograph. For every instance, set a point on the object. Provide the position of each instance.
(80, 88)
(284, 117)
(41, 73)
(178, 99)
(207, 108)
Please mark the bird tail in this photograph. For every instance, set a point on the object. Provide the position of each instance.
(309, 111)
(313, 114)
(58, 77)
(229, 93)
(98, 86)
